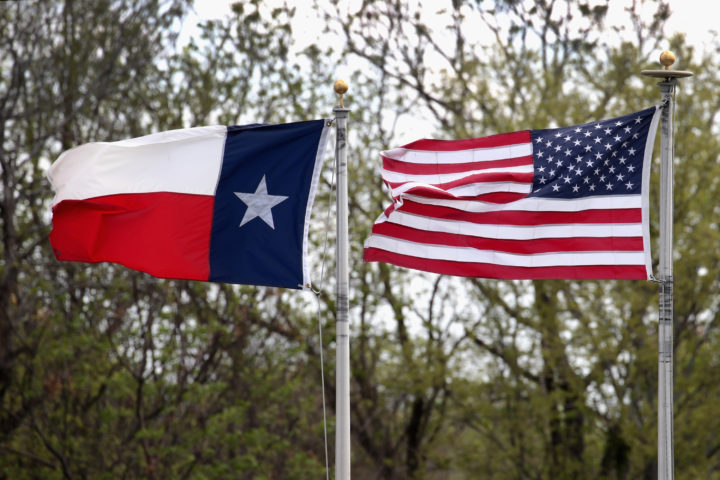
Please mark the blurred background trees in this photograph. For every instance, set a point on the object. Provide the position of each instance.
(110, 373)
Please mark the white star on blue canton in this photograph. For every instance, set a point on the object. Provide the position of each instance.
(260, 204)
(607, 157)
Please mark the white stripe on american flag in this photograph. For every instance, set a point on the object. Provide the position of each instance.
(460, 156)
(397, 177)
(514, 232)
(469, 190)
(466, 254)
(536, 204)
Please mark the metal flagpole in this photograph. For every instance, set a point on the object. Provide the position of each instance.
(342, 373)
(665, 278)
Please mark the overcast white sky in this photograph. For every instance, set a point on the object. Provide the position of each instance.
(697, 19)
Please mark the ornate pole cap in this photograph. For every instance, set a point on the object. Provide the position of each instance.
(667, 58)
(340, 88)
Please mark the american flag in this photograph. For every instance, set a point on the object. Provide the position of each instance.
(564, 203)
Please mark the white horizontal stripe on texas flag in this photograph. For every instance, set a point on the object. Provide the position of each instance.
(187, 160)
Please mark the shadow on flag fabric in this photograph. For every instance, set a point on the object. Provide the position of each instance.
(222, 204)
(561, 203)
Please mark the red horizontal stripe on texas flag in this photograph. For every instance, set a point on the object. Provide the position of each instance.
(500, 140)
(491, 270)
(439, 168)
(175, 238)
(529, 247)
(521, 217)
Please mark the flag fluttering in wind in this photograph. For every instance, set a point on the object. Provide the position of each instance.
(563, 203)
(225, 204)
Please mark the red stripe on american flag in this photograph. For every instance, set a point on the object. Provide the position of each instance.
(490, 270)
(519, 217)
(440, 168)
(500, 197)
(539, 245)
(500, 140)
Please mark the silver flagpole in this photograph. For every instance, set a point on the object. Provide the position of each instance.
(342, 373)
(665, 268)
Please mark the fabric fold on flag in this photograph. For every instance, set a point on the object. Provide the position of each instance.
(557, 203)
(223, 204)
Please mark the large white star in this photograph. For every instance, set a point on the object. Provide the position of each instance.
(259, 204)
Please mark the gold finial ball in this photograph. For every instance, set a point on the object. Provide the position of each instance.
(667, 58)
(340, 87)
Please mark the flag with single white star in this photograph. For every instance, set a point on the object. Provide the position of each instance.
(564, 203)
(223, 204)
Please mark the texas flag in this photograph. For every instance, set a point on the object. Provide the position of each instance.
(222, 204)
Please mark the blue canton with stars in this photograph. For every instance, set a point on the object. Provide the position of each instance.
(597, 158)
